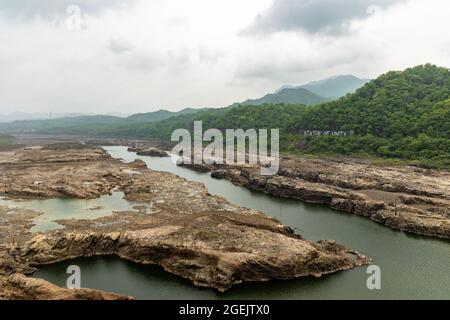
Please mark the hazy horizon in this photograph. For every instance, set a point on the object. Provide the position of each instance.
(51, 114)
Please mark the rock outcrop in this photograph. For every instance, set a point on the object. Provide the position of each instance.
(20, 287)
(149, 151)
(403, 198)
(178, 225)
(216, 256)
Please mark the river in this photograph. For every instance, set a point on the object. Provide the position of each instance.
(412, 267)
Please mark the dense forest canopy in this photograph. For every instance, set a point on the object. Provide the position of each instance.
(400, 115)
(289, 96)
(395, 104)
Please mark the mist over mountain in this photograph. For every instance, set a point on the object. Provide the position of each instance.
(83, 124)
(312, 93)
(333, 87)
(288, 96)
(17, 116)
(159, 115)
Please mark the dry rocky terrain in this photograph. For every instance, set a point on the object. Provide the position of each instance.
(177, 225)
(409, 199)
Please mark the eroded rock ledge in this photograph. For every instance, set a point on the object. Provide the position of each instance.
(177, 224)
(201, 256)
(403, 198)
(20, 287)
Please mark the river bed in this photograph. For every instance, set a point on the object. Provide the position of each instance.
(412, 267)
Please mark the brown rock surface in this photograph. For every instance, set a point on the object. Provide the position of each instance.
(149, 151)
(403, 198)
(20, 287)
(56, 173)
(177, 225)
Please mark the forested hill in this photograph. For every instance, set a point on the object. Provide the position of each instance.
(88, 125)
(400, 114)
(395, 104)
(158, 115)
(288, 96)
(335, 87)
(403, 115)
(312, 93)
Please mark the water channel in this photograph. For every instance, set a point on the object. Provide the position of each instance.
(412, 267)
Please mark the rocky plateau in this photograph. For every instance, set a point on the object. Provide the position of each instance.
(404, 198)
(177, 225)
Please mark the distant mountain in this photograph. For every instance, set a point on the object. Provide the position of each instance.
(331, 88)
(67, 125)
(16, 116)
(87, 124)
(336, 87)
(401, 114)
(117, 114)
(288, 96)
(159, 115)
(312, 93)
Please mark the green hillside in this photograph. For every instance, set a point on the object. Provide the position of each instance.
(400, 115)
(288, 96)
(403, 115)
(396, 103)
(158, 115)
(245, 117)
(88, 125)
(70, 125)
(335, 87)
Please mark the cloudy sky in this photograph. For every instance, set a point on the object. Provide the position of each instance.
(138, 55)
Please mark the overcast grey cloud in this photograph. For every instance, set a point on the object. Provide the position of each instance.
(140, 55)
(26, 9)
(120, 46)
(315, 16)
(290, 68)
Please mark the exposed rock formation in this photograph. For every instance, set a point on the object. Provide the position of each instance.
(403, 198)
(209, 253)
(149, 151)
(20, 287)
(56, 173)
(196, 167)
(178, 225)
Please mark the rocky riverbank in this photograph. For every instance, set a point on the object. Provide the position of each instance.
(177, 225)
(409, 199)
(20, 287)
